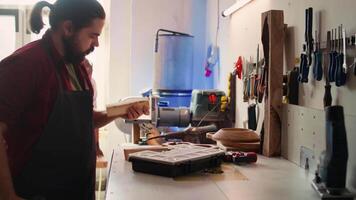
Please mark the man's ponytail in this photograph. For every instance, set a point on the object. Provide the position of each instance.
(36, 21)
(80, 12)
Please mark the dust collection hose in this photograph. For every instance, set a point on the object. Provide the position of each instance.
(168, 31)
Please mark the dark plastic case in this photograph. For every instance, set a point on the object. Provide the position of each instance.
(181, 160)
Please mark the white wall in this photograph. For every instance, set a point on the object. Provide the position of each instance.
(120, 60)
(242, 34)
(226, 61)
(117, 72)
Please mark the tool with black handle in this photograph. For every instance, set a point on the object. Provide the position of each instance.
(303, 77)
(327, 95)
(332, 57)
(310, 42)
(303, 67)
(258, 74)
(248, 77)
(252, 119)
(293, 86)
(264, 79)
(245, 82)
(306, 55)
(340, 74)
(344, 65)
(317, 67)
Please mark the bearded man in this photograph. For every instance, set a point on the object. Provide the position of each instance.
(47, 146)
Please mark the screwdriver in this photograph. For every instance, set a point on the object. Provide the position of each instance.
(340, 75)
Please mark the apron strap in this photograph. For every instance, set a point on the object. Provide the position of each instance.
(57, 66)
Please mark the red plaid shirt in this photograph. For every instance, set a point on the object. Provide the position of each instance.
(28, 90)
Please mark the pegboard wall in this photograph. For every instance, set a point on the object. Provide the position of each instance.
(303, 138)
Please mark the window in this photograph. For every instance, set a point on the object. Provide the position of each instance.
(9, 26)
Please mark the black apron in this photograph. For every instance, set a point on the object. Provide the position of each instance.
(62, 165)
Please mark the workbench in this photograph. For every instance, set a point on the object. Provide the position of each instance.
(268, 179)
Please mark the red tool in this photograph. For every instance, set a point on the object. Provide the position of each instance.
(238, 67)
(239, 157)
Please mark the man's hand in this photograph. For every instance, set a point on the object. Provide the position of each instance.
(6, 188)
(136, 110)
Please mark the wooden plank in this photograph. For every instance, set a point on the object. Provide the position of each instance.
(273, 100)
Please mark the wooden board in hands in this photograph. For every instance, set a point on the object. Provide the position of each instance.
(121, 108)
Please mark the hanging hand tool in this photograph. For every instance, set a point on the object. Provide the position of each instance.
(264, 78)
(251, 115)
(310, 41)
(256, 111)
(317, 67)
(303, 67)
(248, 83)
(238, 67)
(337, 56)
(354, 65)
(303, 56)
(344, 65)
(258, 72)
(251, 79)
(332, 57)
(293, 86)
(340, 75)
(327, 95)
(245, 82)
(306, 56)
(252, 86)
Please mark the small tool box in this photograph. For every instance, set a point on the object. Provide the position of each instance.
(181, 160)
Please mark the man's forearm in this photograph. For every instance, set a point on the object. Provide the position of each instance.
(133, 112)
(101, 119)
(6, 187)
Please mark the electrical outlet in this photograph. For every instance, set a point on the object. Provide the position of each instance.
(307, 159)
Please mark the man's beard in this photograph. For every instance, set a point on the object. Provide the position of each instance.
(72, 52)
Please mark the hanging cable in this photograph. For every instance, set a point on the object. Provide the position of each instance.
(218, 22)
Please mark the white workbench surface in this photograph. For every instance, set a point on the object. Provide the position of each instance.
(268, 179)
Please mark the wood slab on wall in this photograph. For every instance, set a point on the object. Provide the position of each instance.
(273, 98)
